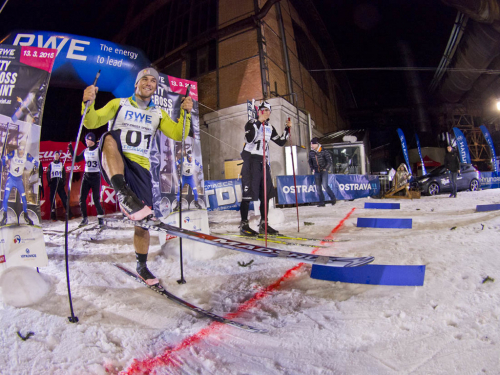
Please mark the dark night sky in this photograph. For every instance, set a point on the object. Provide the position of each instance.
(365, 32)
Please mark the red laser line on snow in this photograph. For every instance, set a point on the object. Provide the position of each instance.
(148, 366)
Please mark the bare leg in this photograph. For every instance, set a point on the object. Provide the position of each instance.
(112, 161)
(141, 240)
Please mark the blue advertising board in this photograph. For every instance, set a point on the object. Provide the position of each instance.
(344, 187)
(224, 195)
(490, 180)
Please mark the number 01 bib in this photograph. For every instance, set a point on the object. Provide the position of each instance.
(137, 128)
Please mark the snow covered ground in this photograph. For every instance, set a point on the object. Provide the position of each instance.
(448, 326)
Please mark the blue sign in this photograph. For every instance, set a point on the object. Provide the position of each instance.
(224, 195)
(487, 136)
(344, 187)
(405, 149)
(490, 180)
(463, 148)
(424, 172)
(79, 58)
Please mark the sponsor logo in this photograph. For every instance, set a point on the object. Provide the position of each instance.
(17, 238)
(2, 258)
(300, 189)
(28, 255)
(347, 187)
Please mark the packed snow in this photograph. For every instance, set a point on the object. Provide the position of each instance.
(448, 326)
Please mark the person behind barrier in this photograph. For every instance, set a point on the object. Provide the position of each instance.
(452, 164)
(320, 162)
(91, 178)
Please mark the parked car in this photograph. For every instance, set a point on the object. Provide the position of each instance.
(438, 180)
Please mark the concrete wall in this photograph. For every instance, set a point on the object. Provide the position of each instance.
(222, 136)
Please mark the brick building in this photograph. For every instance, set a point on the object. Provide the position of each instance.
(243, 50)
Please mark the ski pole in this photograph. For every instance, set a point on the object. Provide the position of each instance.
(294, 179)
(265, 175)
(73, 318)
(182, 280)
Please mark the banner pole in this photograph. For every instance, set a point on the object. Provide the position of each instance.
(73, 318)
(294, 180)
(182, 280)
(265, 179)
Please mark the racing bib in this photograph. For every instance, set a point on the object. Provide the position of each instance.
(56, 170)
(91, 160)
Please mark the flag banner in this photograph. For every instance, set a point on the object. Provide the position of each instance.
(251, 110)
(24, 78)
(463, 148)
(344, 187)
(487, 136)
(424, 172)
(166, 158)
(405, 149)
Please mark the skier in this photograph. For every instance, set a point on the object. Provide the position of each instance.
(252, 170)
(320, 162)
(188, 168)
(56, 175)
(18, 160)
(125, 148)
(91, 178)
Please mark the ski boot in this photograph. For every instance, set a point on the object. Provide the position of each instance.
(27, 219)
(131, 206)
(84, 222)
(145, 274)
(53, 216)
(245, 229)
(270, 230)
(4, 219)
(176, 206)
(100, 222)
(197, 205)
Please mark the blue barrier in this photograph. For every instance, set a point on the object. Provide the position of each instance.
(372, 274)
(487, 207)
(383, 206)
(368, 222)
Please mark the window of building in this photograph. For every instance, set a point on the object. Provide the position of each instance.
(202, 60)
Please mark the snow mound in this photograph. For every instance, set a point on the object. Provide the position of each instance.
(23, 286)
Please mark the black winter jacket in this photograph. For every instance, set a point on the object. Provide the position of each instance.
(320, 160)
(452, 161)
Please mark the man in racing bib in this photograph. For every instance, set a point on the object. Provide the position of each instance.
(188, 168)
(91, 178)
(125, 148)
(18, 160)
(56, 175)
(252, 178)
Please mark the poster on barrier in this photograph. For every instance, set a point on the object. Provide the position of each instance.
(24, 78)
(167, 156)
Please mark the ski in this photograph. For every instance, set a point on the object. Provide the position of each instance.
(274, 240)
(158, 288)
(284, 237)
(253, 249)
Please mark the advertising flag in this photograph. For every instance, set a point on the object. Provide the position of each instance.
(487, 136)
(463, 148)
(405, 149)
(424, 172)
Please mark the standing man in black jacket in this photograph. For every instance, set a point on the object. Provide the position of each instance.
(320, 161)
(91, 178)
(452, 163)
